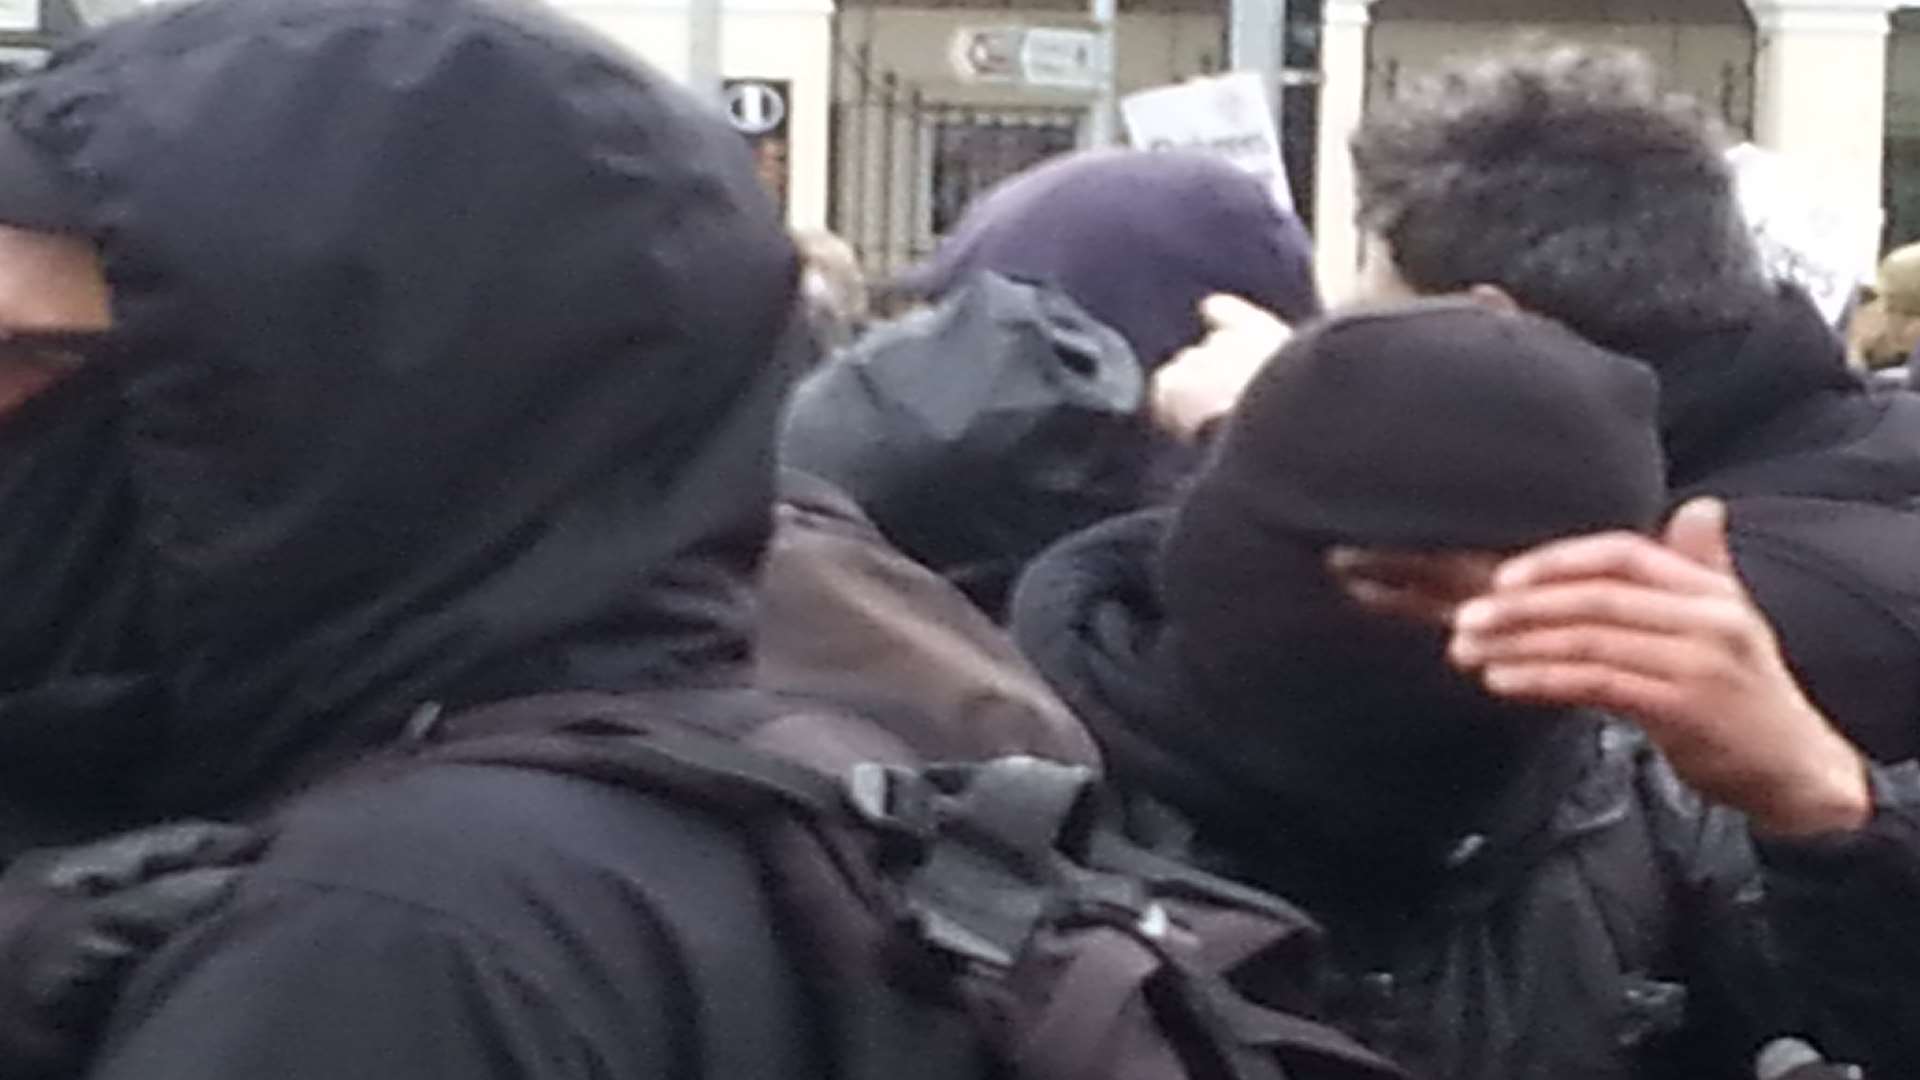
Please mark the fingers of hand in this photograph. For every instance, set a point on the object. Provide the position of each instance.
(1698, 531)
(1700, 669)
(1574, 684)
(1225, 311)
(1248, 327)
(1623, 557)
(146, 915)
(84, 962)
(1494, 625)
(124, 861)
(1183, 400)
(1204, 382)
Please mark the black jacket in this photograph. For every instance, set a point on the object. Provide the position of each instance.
(1823, 478)
(449, 361)
(478, 922)
(1606, 924)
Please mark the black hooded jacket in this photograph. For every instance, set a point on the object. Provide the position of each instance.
(978, 431)
(418, 397)
(1822, 476)
(448, 371)
(1594, 920)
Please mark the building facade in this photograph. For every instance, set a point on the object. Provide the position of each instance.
(1833, 85)
(863, 120)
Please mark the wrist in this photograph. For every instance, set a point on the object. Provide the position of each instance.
(1831, 793)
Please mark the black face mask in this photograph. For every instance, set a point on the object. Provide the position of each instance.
(63, 511)
(73, 689)
(1351, 725)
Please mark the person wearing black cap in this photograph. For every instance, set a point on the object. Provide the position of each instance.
(1511, 891)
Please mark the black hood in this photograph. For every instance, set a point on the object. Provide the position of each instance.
(980, 430)
(1749, 392)
(448, 366)
(1354, 789)
(1774, 410)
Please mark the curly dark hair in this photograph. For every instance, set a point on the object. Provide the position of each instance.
(1568, 177)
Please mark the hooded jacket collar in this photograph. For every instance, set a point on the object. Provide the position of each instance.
(424, 393)
(1748, 391)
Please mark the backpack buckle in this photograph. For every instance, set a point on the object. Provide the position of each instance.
(897, 802)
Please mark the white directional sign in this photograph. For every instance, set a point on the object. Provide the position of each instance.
(1062, 58)
(1069, 59)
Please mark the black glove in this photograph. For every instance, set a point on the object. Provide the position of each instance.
(75, 921)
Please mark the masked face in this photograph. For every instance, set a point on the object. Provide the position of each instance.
(54, 311)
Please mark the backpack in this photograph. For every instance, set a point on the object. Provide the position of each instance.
(957, 919)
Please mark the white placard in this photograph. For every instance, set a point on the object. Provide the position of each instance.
(20, 15)
(1227, 116)
(1823, 245)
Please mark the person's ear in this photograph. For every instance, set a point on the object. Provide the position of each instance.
(1494, 297)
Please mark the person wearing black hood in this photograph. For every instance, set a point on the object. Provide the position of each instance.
(1016, 409)
(1511, 892)
(1564, 179)
(443, 360)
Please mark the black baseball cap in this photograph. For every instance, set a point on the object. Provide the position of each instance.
(34, 191)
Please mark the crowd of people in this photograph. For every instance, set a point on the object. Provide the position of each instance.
(477, 603)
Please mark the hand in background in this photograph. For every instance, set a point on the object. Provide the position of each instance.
(1202, 383)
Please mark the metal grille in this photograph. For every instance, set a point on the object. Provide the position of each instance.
(906, 168)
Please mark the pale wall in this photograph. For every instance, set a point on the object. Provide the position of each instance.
(790, 41)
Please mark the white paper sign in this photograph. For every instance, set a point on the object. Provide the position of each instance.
(1227, 116)
(1826, 247)
(20, 15)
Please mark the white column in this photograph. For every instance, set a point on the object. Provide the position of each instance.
(789, 41)
(1103, 113)
(1343, 99)
(703, 48)
(1820, 92)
